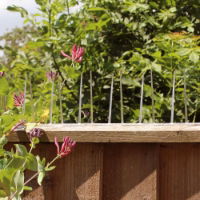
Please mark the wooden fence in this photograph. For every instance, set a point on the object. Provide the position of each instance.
(122, 162)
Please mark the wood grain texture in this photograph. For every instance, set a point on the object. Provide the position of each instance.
(130, 172)
(76, 177)
(179, 172)
(136, 133)
(121, 172)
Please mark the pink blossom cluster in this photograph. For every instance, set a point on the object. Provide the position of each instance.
(2, 74)
(19, 99)
(66, 148)
(52, 76)
(77, 54)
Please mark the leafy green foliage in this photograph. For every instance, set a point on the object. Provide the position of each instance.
(133, 38)
(13, 165)
(21, 10)
(129, 37)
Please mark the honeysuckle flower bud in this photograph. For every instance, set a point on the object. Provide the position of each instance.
(2, 74)
(66, 148)
(52, 76)
(77, 54)
(19, 99)
(19, 126)
(35, 132)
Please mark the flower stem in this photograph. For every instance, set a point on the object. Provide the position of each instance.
(36, 174)
(185, 97)
(121, 99)
(91, 99)
(141, 99)
(195, 114)
(31, 146)
(31, 178)
(56, 158)
(31, 89)
(152, 97)
(5, 103)
(67, 3)
(51, 103)
(33, 106)
(1, 102)
(50, 18)
(173, 95)
(80, 98)
(111, 98)
(8, 163)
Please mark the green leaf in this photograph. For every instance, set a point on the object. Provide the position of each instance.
(6, 178)
(97, 9)
(156, 67)
(4, 86)
(19, 182)
(194, 57)
(27, 188)
(31, 162)
(40, 177)
(21, 150)
(41, 2)
(3, 195)
(17, 162)
(134, 7)
(21, 10)
(50, 168)
(156, 54)
(183, 51)
(34, 45)
(41, 169)
(3, 141)
(35, 140)
(2, 163)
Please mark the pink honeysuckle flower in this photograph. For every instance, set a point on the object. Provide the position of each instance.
(20, 125)
(2, 74)
(19, 99)
(52, 76)
(77, 54)
(66, 148)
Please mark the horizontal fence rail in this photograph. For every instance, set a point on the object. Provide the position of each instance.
(117, 133)
(120, 162)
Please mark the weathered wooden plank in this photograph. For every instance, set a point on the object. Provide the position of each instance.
(76, 177)
(148, 133)
(130, 171)
(179, 172)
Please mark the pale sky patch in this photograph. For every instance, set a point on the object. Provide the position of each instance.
(10, 20)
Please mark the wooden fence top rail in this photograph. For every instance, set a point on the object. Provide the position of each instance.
(122, 133)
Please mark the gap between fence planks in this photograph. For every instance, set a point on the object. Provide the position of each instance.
(122, 133)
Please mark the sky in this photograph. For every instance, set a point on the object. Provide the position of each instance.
(10, 20)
